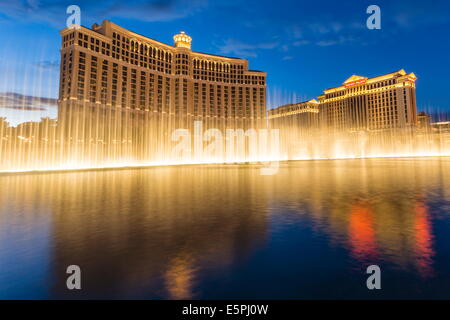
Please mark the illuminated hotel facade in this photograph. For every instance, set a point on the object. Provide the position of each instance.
(303, 114)
(361, 103)
(111, 67)
(383, 102)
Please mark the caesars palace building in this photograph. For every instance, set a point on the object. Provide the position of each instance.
(123, 76)
(381, 103)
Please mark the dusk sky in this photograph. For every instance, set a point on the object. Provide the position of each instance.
(304, 46)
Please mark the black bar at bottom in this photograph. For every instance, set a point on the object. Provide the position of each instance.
(221, 309)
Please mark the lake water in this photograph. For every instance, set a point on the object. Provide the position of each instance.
(226, 231)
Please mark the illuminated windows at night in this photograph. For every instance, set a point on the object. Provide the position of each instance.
(116, 67)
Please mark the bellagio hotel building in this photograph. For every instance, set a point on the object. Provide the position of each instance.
(111, 67)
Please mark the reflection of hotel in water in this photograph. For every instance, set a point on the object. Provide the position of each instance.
(161, 243)
(155, 230)
(362, 206)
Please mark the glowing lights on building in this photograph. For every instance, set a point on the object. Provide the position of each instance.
(354, 80)
(361, 103)
(383, 102)
(182, 40)
(310, 106)
(115, 67)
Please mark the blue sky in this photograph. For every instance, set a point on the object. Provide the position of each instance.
(304, 46)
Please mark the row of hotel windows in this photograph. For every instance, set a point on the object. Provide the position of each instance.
(375, 101)
(382, 111)
(218, 71)
(149, 90)
(153, 58)
(361, 88)
(338, 118)
(247, 107)
(227, 78)
(66, 72)
(294, 107)
(379, 115)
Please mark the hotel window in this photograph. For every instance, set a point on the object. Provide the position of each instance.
(104, 82)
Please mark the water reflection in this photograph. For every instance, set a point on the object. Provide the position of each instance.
(178, 232)
(423, 240)
(376, 209)
(361, 232)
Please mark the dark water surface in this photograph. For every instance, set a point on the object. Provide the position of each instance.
(216, 232)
